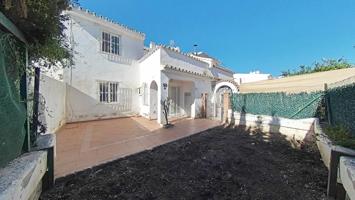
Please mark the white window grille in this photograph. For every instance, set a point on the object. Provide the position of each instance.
(108, 92)
(110, 43)
(115, 40)
(106, 42)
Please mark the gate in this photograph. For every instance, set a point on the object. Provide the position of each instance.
(204, 105)
(222, 103)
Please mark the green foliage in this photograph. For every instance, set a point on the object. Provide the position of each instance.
(341, 136)
(298, 106)
(41, 21)
(324, 65)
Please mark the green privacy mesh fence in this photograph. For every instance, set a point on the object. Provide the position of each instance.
(341, 102)
(12, 110)
(294, 106)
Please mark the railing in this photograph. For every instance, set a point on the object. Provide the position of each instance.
(117, 58)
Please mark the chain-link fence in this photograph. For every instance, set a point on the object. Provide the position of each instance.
(294, 106)
(336, 104)
(341, 104)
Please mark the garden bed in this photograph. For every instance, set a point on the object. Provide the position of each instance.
(219, 163)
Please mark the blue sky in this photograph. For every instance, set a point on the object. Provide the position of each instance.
(245, 35)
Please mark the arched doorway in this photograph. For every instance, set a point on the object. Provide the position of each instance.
(153, 105)
(219, 98)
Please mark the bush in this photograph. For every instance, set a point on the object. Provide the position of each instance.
(340, 135)
(322, 66)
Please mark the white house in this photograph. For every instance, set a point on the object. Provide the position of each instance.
(251, 77)
(115, 75)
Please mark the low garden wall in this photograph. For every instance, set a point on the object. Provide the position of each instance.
(347, 175)
(340, 162)
(22, 178)
(25, 177)
(296, 130)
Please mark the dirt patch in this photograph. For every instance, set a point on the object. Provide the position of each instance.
(220, 163)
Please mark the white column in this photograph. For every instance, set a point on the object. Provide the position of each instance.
(163, 94)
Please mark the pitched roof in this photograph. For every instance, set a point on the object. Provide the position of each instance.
(107, 20)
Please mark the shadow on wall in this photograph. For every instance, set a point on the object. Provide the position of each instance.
(43, 114)
(52, 103)
(274, 126)
(299, 133)
(82, 107)
(242, 119)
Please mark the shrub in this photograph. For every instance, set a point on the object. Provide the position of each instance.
(340, 135)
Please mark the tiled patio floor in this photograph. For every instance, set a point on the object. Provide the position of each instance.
(86, 144)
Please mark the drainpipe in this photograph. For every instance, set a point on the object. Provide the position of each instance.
(35, 105)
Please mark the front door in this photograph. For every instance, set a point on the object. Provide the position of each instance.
(187, 103)
(204, 105)
(174, 94)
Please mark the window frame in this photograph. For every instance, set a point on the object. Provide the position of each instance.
(110, 43)
(109, 95)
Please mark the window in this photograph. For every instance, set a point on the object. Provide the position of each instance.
(110, 43)
(115, 45)
(106, 42)
(108, 92)
(145, 94)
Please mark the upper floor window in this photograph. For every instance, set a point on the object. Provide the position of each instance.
(110, 43)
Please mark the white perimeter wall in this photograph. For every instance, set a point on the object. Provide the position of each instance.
(52, 103)
(249, 78)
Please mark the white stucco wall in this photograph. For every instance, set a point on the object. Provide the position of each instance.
(52, 103)
(77, 98)
(222, 74)
(169, 57)
(149, 70)
(200, 85)
(251, 77)
(91, 66)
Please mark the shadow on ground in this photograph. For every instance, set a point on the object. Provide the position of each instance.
(220, 163)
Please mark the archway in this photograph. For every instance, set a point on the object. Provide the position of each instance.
(219, 98)
(153, 101)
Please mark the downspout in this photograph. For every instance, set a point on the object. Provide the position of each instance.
(35, 105)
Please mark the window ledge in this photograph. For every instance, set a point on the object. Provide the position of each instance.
(117, 58)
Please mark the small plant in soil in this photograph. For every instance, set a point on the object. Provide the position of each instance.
(166, 106)
(340, 135)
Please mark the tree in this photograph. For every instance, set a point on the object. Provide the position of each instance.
(324, 65)
(41, 21)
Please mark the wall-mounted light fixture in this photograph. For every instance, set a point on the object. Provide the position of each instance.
(165, 85)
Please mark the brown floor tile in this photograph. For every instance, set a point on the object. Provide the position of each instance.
(87, 144)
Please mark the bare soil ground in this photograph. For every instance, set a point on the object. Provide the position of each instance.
(221, 163)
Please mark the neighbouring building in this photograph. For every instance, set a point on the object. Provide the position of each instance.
(251, 77)
(115, 75)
